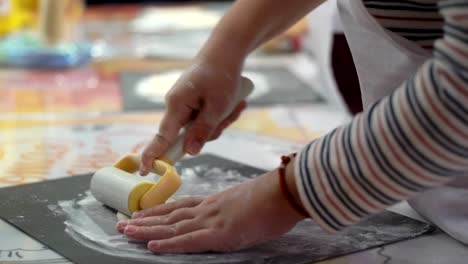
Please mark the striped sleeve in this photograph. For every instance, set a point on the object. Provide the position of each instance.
(416, 20)
(412, 140)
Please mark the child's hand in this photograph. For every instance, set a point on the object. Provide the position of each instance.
(203, 93)
(239, 217)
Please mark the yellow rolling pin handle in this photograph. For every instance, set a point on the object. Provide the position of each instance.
(164, 188)
(138, 191)
(130, 163)
(147, 194)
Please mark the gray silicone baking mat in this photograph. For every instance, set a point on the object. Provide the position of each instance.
(31, 208)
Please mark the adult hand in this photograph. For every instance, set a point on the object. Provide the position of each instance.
(239, 217)
(202, 94)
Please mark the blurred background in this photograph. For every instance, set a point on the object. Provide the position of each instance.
(130, 40)
(85, 67)
(141, 37)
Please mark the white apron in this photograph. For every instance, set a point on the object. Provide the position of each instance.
(384, 61)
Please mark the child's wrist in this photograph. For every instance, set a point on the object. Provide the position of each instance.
(225, 51)
(289, 188)
(291, 181)
(218, 59)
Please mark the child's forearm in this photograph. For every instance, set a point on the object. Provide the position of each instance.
(248, 24)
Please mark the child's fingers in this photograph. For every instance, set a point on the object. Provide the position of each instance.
(162, 231)
(174, 217)
(229, 120)
(167, 208)
(194, 242)
(177, 115)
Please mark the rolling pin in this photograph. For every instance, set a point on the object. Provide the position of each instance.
(120, 188)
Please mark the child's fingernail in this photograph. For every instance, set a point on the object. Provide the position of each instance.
(153, 245)
(195, 147)
(121, 225)
(137, 215)
(130, 230)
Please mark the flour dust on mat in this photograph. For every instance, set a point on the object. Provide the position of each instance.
(93, 225)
